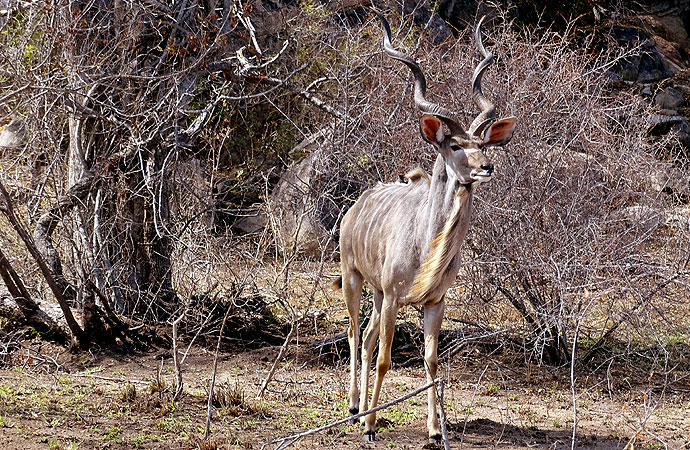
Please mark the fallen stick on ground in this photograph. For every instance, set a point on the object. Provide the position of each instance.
(289, 440)
(116, 380)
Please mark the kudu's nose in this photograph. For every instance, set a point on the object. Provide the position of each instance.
(489, 168)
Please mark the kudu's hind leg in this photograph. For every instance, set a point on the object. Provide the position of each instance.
(368, 343)
(389, 312)
(352, 291)
(433, 316)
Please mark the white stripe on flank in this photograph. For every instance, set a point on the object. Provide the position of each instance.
(389, 195)
(363, 208)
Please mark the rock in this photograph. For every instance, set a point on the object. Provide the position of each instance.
(673, 56)
(307, 202)
(652, 67)
(665, 177)
(670, 34)
(650, 218)
(662, 34)
(669, 99)
(14, 135)
(643, 216)
(253, 220)
(437, 29)
(424, 14)
(662, 124)
(647, 65)
(659, 124)
(293, 212)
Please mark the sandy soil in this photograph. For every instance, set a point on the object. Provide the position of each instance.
(89, 403)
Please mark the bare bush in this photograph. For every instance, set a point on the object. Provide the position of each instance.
(176, 141)
(149, 131)
(562, 237)
(126, 93)
(575, 232)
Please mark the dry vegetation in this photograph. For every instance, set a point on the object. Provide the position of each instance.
(566, 326)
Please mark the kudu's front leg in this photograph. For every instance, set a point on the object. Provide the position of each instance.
(433, 316)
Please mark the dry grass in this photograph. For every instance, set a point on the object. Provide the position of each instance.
(232, 400)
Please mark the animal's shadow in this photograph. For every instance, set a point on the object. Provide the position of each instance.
(491, 434)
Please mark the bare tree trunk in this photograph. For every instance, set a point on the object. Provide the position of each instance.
(93, 326)
(16, 287)
(57, 283)
(159, 235)
(147, 245)
(45, 226)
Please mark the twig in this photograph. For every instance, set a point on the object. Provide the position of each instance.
(296, 321)
(176, 356)
(311, 97)
(209, 408)
(642, 301)
(278, 358)
(572, 384)
(474, 394)
(201, 327)
(159, 375)
(442, 411)
(117, 380)
(247, 68)
(56, 281)
(242, 15)
(288, 440)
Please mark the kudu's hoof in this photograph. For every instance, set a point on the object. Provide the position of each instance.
(436, 440)
(353, 411)
(369, 436)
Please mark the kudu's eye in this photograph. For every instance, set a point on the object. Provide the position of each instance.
(455, 147)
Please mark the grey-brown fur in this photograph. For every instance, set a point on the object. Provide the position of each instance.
(387, 233)
(402, 234)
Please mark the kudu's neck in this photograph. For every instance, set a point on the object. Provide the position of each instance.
(443, 190)
(447, 218)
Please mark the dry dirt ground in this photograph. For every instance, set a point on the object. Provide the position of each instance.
(113, 401)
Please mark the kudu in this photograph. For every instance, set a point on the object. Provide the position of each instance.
(404, 238)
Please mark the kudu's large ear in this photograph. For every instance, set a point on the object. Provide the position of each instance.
(500, 132)
(431, 129)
